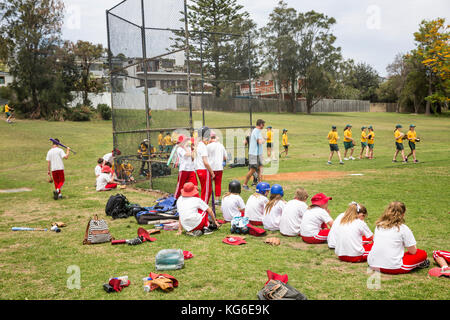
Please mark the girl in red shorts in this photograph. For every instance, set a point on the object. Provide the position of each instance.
(392, 237)
(316, 220)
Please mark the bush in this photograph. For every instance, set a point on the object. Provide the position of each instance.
(79, 113)
(104, 110)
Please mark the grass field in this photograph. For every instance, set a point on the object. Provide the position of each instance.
(35, 265)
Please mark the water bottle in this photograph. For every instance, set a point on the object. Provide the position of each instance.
(169, 259)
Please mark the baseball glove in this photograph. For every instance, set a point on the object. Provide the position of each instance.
(272, 241)
(418, 140)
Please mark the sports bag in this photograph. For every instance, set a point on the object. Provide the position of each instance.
(277, 290)
(239, 225)
(97, 232)
(118, 206)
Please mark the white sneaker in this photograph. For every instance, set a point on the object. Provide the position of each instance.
(345, 159)
(351, 158)
(329, 162)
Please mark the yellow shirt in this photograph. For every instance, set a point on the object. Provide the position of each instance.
(372, 136)
(412, 135)
(333, 137)
(347, 133)
(397, 134)
(363, 136)
(269, 136)
(6, 108)
(284, 139)
(168, 140)
(160, 139)
(143, 150)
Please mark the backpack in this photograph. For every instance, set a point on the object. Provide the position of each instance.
(239, 225)
(97, 232)
(118, 206)
(277, 290)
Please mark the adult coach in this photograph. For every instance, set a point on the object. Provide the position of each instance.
(255, 152)
(54, 159)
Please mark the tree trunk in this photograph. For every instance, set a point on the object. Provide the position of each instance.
(430, 92)
(309, 105)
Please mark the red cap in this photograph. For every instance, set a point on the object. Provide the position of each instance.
(320, 199)
(235, 241)
(106, 169)
(181, 138)
(189, 190)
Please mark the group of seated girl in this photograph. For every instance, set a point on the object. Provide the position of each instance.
(390, 249)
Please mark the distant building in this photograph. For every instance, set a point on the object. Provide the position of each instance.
(267, 87)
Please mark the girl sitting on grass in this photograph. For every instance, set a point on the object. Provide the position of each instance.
(291, 218)
(352, 233)
(232, 203)
(316, 220)
(254, 208)
(274, 209)
(391, 238)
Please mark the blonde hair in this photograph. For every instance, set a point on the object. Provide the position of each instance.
(226, 194)
(352, 212)
(393, 216)
(274, 198)
(301, 194)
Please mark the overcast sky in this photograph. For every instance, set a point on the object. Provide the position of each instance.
(367, 31)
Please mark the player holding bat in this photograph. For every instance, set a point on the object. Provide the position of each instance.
(55, 167)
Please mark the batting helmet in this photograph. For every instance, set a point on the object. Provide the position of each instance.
(234, 186)
(204, 133)
(277, 189)
(262, 187)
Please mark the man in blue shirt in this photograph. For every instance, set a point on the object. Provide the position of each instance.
(255, 152)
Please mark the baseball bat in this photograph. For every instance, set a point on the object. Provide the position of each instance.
(60, 144)
(27, 229)
(213, 199)
(171, 155)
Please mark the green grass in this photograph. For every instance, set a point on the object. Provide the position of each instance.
(33, 265)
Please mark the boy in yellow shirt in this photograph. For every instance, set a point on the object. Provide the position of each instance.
(161, 141)
(168, 143)
(332, 139)
(269, 141)
(412, 139)
(370, 143)
(398, 136)
(284, 142)
(349, 142)
(8, 113)
(364, 142)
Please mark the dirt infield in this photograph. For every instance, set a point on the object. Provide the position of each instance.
(306, 175)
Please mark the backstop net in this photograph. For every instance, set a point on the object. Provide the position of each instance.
(166, 82)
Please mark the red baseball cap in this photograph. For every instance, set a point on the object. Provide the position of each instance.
(189, 190)
(181, 138)
(235, 241)
(106, 169)
(320, 199)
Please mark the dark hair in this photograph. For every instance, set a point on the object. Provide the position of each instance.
(100, 160)
(108, 164)
(57, 140)
(260, 122)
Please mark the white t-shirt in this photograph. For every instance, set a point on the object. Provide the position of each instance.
(98, 170)
(55, 156)
(292, 217)
(185, 162)
(389, 247)
(202, 151)
(102, 180)
(331, 239)
(231, 206)
(108, 157)
(188, 208)
(271, 220)
(312, 221)
(216, 155)
(254, 208)
(349, 238)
